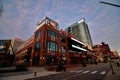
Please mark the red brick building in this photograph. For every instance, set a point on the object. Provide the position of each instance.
(103, 52)
(49, 44)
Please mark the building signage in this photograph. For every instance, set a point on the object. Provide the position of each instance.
(51, 23)
(82, 20)
(78, 41)
(47, 21)
(78, 48)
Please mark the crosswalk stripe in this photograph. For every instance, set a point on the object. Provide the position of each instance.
(86, 71)
(94, 72)
(73, 71)
(103, 72)
(79, 71)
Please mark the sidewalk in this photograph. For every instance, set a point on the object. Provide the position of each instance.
(116, 76)
(39, 72)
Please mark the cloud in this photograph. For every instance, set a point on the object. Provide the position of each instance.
(21, 16)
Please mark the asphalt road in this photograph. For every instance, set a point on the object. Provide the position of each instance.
(95, 72)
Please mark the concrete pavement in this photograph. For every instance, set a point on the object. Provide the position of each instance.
(43, 72)
(115, 76)
(39, 72)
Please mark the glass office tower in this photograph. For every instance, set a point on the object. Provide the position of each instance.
(80, 31)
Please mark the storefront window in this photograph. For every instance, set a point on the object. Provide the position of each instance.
(37, 46)
(51, 33)
(62, 39)
(52, 46)
(63, 49)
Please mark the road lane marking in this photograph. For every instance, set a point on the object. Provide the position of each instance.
(73, 71)
(94, 72)
(86, 71)
(79, 71)
(103, 72)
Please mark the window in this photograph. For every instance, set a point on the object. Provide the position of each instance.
(51, 33)
(39, 34)
(37, 46)
(29, 50)
(63, 49)
(62, 39)
(52, 46)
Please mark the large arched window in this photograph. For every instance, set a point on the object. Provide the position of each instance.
(52, 46)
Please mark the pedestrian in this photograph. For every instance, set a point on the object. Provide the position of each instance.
(60, 65)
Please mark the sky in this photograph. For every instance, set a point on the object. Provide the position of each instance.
(20, 17)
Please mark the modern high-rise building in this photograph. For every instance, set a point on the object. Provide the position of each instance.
(80, 31)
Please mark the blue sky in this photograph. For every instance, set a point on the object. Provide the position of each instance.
(20, 17)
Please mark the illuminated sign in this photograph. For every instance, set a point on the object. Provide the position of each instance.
(82, 20)
(4, 45)
(78, 41)
(47, 21)
(78, 48)
(1, 47)
(53, 24)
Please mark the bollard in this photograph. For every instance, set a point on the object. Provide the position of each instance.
(35, 74)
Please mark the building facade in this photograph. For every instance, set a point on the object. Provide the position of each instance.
(115, 54)
(49, 45)
(80, 31)
(15, 43)
(7, 51)
(103, 52)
